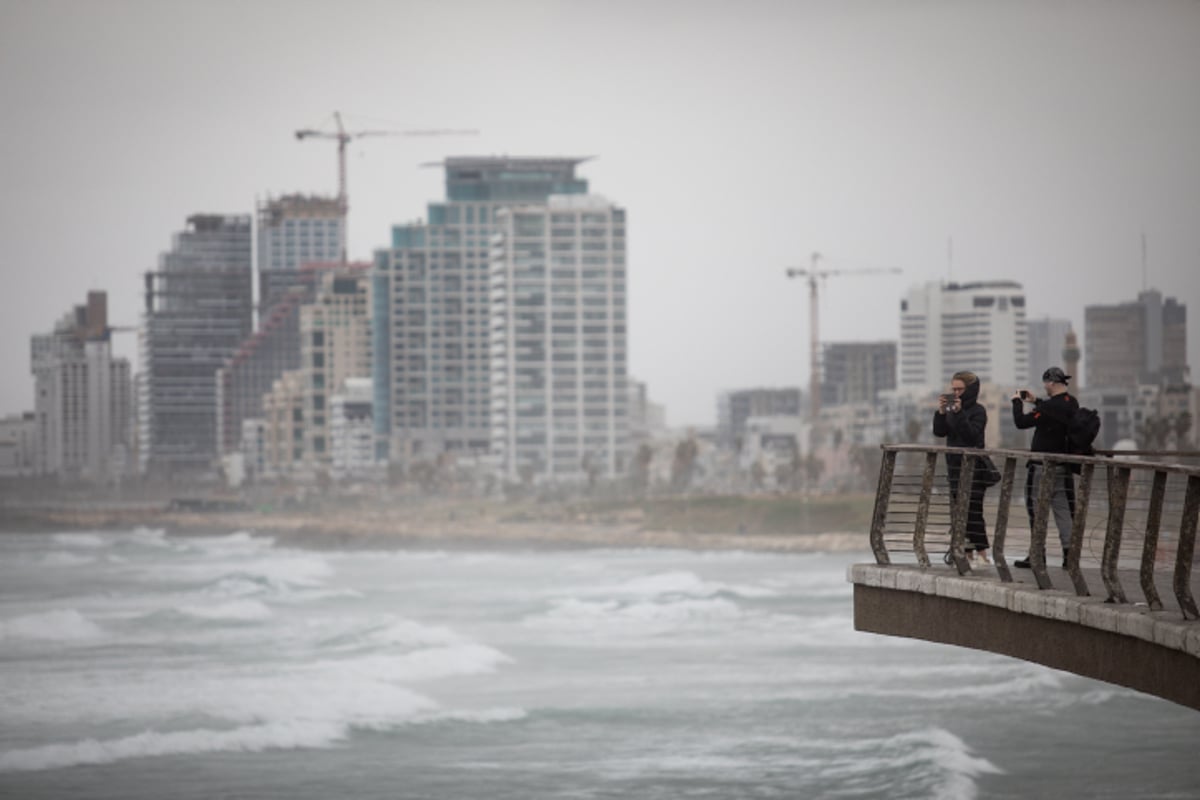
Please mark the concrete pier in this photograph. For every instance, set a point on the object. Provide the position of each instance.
(1157, 652)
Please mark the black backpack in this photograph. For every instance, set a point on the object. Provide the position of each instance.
(1082, 431)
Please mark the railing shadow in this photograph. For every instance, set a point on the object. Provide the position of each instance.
(1144, 509)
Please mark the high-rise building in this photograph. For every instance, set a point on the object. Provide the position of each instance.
(82, 397)
(559, 392)
(1047, 339)
(432, 305)
(198, 310)
(295, 230)
(298, 238)
(271, 350)
(1143, 342)
(856, 372)
(335, 345)
(735, 407)
(980, 327)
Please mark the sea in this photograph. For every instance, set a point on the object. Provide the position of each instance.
(140, 664)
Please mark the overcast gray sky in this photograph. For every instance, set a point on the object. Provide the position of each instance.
(1042, 137)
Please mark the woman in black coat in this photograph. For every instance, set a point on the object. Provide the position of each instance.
(962, 422)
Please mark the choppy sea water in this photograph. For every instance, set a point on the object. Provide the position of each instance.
(141, 665)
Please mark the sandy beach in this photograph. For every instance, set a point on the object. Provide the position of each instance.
(443, 527)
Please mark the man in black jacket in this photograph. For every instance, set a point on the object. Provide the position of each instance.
(1049, 419)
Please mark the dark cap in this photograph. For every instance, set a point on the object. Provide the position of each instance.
(1055, 375)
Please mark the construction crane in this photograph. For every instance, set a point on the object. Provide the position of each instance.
(815, 274)
(343, 138)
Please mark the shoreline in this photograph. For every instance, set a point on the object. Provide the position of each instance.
(383, 531)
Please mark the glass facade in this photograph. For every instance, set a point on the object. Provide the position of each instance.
(434, 376)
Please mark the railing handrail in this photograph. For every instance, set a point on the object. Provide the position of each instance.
(1119, 471)
(1103, 459)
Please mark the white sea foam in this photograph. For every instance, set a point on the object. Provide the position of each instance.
(235, 610)
(150, 537)
(591, 617)
(64, 625)
(273, 570)
(426, 664)
(409, 633)
(484, 716)
(88, 540)
(678, 582)
(65, 560)
(250, 738)
(939, 761)
(314, 705)
(281, 735)
(238, 543)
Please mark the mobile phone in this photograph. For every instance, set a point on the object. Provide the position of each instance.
(1026, 395)
(948, 399)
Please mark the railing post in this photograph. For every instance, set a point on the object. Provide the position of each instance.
(1037, 536)
(1158, 492)
(923, 509)
(1187, 545)
(1118, 493)
(1001, 529)
(887, 469)
(958, 514)
(1078, 526)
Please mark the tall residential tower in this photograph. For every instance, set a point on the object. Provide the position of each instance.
(432, 307)
(82, 398)
(198, 310)
(945, 328)
(559, 385)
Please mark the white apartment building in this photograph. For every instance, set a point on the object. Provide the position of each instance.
(18, 445)
(82, 397)
(352, 431)
(558, 347)
(948, 327)
(335, 344)
(283, 426)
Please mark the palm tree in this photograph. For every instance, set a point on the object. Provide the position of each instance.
(684, 463)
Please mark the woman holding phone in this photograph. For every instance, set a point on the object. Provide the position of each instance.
(961, 420)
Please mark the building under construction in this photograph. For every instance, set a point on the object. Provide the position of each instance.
(294, 230)
(198, 310)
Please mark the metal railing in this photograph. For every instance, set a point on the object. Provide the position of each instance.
(1125, 508)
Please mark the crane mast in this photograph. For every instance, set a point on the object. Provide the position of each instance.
(813, 274)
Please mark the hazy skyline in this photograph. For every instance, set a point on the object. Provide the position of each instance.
(1044, 139)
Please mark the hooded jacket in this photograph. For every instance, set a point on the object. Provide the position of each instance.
(962, 428)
